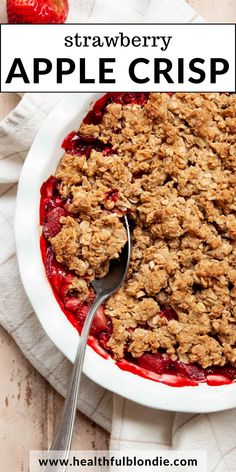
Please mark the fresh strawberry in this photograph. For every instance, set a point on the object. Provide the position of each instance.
(37, 11)
(53, 225)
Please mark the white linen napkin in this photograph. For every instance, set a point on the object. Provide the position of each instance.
(132, 426)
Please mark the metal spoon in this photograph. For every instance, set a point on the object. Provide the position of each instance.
(104, 288)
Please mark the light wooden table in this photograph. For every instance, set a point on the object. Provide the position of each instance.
(28, 405)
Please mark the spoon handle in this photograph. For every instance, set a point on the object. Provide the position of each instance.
(63, 437)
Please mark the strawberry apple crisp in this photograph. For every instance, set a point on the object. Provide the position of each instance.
(168, 161)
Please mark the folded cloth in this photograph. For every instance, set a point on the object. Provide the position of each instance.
(132, 426)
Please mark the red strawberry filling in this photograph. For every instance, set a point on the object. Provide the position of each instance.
(48, 187)
(52, 225)
(112, 195)
(52, 208)
(169, 313)
(61, 280)
(95, 115)
(105, 335)
(190, 371)
(158, 363)
(227, 371)
(79, 144)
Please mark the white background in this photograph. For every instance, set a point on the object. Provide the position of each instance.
(47, 41)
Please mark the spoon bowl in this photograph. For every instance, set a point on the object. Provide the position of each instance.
(117, 270)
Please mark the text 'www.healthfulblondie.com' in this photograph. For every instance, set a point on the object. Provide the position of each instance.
(117, 461)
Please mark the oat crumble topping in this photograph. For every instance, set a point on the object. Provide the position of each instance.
(170, 164)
